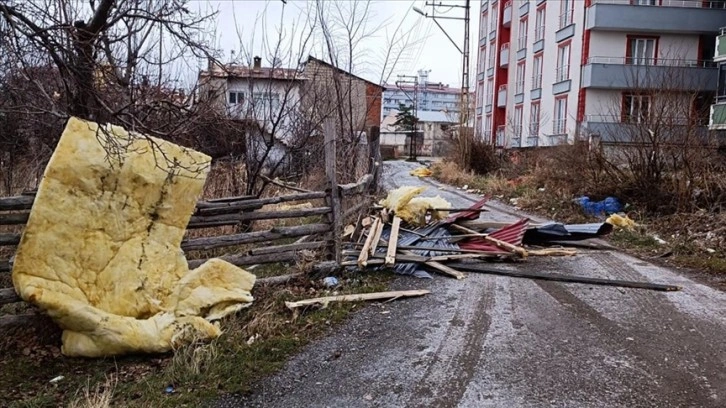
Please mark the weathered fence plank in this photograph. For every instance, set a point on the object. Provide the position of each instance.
(201, 221)
(8, 295)
(212, 208)
(251, 237)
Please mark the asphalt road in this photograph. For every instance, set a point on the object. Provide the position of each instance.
(489, 341)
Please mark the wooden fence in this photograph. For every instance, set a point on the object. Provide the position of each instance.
(342, 204)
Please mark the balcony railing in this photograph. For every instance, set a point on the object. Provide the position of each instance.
(507, 14)
(667, 3)
(562, 73)
(663, 120)
(565, 19)
(501, 136)
(502, 96)
(559, 126)
(504, 55)
(666, 62)
(521, 43)
(519, 87)
(536, 81)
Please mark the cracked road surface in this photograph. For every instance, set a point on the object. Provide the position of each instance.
(489, 341)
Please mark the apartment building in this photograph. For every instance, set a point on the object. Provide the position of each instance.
(550, 71)
(717, 117)
(431, 96)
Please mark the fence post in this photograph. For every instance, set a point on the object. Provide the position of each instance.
(374, 167)
(336, 215)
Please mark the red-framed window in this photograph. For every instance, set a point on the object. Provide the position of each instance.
(519, 77)
(517, 121)
(522, 33)
(646, 2)
(567, 8)
(534, 118)
(537, 63)
(539, 22)
(564, 50)
(559, 124)
(641, 49)
(636, 107)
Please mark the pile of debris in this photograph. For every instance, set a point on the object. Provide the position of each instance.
(414, 236)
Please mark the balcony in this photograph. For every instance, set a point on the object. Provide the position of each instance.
(717, 119)
(612, 129)
(492, 35)
(620, 73)
(504, 55)
(679, 16)
(507, 14)
(720, 47)
(524, 9)
(502, 96)
(501, 136)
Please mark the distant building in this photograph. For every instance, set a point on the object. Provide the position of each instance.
(717, 119)
(434, 129)
(432, 96)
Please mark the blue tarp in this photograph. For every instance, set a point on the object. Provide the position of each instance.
(608, 206)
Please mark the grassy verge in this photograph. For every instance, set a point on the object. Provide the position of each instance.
(256, 342)
(693, 240)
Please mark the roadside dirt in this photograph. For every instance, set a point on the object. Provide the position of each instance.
(503, 342)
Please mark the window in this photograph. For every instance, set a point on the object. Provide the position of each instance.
(563, 63)
(537, 72)
(491, 56)
(518, 111)
(488, 125)
(721, 93)
(566, 8)
(560, 122)
(534, 120)
(490, 91)
(522, 38)
(641, 50)
(266, 101)
(494, 19)
(519, 84)
(483, 25)
(482, 58)
(636, 108)
(236, 98)
(539, 24)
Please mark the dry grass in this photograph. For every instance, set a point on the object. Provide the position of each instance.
(99, 395)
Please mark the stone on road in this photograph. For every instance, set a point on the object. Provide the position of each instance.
(489, 341)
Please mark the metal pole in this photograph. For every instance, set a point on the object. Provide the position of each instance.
(464, 114)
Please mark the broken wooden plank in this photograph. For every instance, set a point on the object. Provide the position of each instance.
(392, 242)
(323, 301)
(552, 252)
(363, 257)
(377, 235)
(569, 279)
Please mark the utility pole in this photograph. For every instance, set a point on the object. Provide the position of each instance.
(464, 115)
(412, 80)
(464, 111)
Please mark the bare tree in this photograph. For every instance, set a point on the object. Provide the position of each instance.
(655, 133)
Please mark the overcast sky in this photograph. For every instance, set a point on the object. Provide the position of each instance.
(242, 23)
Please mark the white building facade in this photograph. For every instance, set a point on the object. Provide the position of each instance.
(552, 71)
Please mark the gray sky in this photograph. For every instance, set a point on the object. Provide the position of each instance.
(243, 25)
